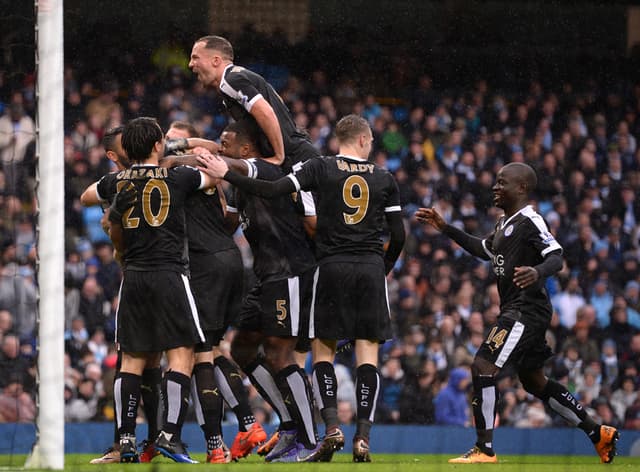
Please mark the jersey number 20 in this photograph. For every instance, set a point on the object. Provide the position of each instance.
(360, 203)
(152, 219)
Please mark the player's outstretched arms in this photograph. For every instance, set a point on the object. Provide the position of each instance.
(209, 145)
(215, 166)
(172, 161)
(432, 217)
(468, 242)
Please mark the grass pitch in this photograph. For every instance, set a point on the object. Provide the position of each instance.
(342, 462)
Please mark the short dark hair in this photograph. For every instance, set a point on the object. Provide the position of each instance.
(525, 173)
(139, 137)
(109, 138)
(349, 127)
(218, 43)
(246, 132)
(188, 127)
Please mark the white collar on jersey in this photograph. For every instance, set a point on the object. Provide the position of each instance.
(143, 165)
(353, 157)
(224, 72)
(506, 222)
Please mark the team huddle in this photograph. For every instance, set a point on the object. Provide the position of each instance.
(317, 227)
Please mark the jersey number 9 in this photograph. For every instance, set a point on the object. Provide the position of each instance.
(360, 202)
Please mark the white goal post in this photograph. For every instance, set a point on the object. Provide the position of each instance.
(48, 450)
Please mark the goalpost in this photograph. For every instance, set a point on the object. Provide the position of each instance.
(48, 450)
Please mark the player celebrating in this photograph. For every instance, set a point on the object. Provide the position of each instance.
(156, 311)
(350, 294)
(524, 254)
(152, 374)
(277, 309)
(248, 96)
(216, 277)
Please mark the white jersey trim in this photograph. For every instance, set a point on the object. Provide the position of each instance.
(510, 344)
(252, 170)
(295, 181)
(308, 203)
(546, 237)
(252, 102)
(392, 208)
(486, 249)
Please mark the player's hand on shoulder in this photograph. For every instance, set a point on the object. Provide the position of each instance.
(525, 276)
(430, 216)
(212, 165)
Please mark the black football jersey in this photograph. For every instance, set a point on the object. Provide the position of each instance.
(205, 223)
(521, 240)
(273, 227)
(241, 88)
(353, 197)
(154, 229)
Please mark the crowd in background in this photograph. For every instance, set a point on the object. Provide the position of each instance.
(444, 148)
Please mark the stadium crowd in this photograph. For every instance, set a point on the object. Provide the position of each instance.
(443, 147)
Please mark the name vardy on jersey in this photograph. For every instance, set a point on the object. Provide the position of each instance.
(143, 173)
(353, 167)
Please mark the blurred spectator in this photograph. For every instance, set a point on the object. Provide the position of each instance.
(586, 347)
(567, 302)
(535, 416)
(346, 413)
(620, 330)
(602, 300)
(16, 405)
(632, 416)
(346, 387)
(17, 132)
(19, 296)
(93, 305)
(624, 396)
(416, 399)
(85, 404)
(451, 403)
(13, 366)
(97, 344)
(609, 360)
(604, 413)
(465, 353)
(391, 381)
(76, 339)
(6, 323)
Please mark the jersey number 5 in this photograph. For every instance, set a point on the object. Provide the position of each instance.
(153, 219)
(359, 202)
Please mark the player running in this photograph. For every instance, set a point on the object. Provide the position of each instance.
(523, 254)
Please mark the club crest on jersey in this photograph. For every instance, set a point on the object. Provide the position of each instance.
(509, 230)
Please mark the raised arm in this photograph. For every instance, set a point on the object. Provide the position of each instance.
(468, 242)
(217, 167)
